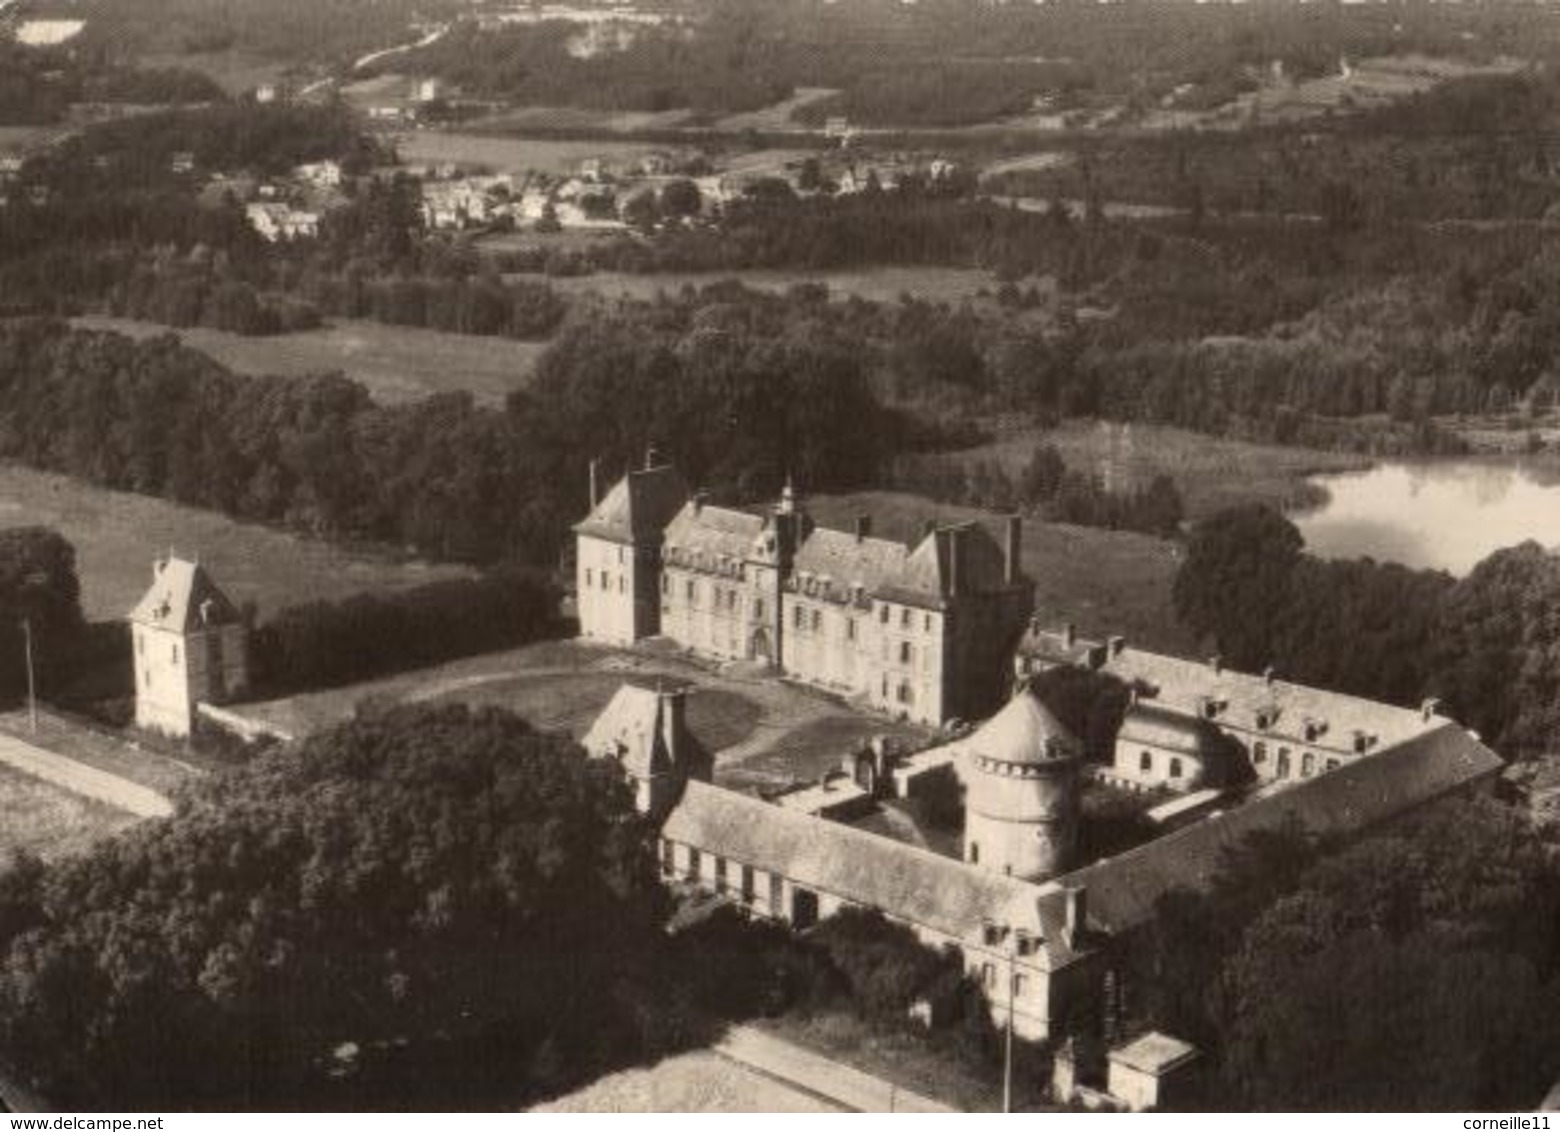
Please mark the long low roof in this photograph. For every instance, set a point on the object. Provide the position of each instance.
(902, 881)
(1122, 890)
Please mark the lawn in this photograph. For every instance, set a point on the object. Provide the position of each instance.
(806, 752)
(515, 155)
(118, 535)
(48, 821)
(1212, 473)
(1106, 582)
(396, 363)
(875, 284)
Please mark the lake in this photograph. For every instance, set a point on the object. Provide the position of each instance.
(1445, 515)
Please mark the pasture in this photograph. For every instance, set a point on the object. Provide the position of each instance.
(117, 536)
(514, 155)
(49, 821)
(396, 363)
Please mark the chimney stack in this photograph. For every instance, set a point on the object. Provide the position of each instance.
(595, 484)
(1015, 547)
(1216, 663)
(1069, 634)
(953, 561)
(1430, 709)
(699, 498)
(1267, 676)
(652, 458)
(1116, 645)
(928, 528)
(863, 528)
(1077, 914)
(673, 706)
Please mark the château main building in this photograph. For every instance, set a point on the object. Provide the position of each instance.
(925, 632)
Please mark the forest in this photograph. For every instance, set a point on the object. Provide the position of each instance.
(1483, 645)
(38, 86)
(1444, 926)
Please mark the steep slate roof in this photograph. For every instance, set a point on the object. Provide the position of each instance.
(700, 535)
(1024, 731)
(1183, 685)
(1122, 890)
(1165, 727)
(1051, 647)
(183, 598)
(902, 881)
(1153, 1053)
(630, 730)
(928, 574)
(844, 561)
(638, 506)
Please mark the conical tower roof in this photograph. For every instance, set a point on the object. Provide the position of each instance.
(1023, 732)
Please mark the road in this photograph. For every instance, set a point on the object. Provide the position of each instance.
(850, 1088)
(81, 779)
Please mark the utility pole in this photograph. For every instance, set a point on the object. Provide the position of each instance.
(1007, 1054)
(32, 689)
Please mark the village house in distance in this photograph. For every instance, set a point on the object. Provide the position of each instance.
(925, 633)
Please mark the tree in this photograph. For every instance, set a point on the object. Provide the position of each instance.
(681, 197)
(38, 583)
(407, 881)
(1234, 580)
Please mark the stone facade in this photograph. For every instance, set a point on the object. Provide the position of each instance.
(190, 647)
(923, 633)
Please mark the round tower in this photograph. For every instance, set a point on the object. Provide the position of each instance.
(1021, 791)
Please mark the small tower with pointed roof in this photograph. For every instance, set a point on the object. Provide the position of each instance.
(1020, 773)
(190, 646)
(645, 730)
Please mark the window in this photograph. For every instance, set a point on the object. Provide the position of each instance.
(928, 625)
(747, 884)
(906, 653)
(974, 852)
(850, 628)
(692, 591)
(590, 577)
(883, 614)
(796, 616)
(666, 584)
(146, 678)
(906, 693)
(776, 892)
(720, 874)
(668, 857)
(606, 584)
(1283, 762)
(885, 687)
(1145, 761)
(758, 607)
(1259, 753)
(1018, 985)
(1332, 764)
(1307, 764)
(904, 618)
(693, 863)
(817, 620)
(176, 653)
(988, 975)
(1175, 768)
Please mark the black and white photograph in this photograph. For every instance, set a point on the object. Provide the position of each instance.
(779, 556)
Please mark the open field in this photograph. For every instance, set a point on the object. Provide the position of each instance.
(514, 155)
(776, 118)
(580, 118)
(1211, 473)
(1106, 582)
(396, 363)
(25, 137)
(117, 535)
(49, 821)
(875, 284)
